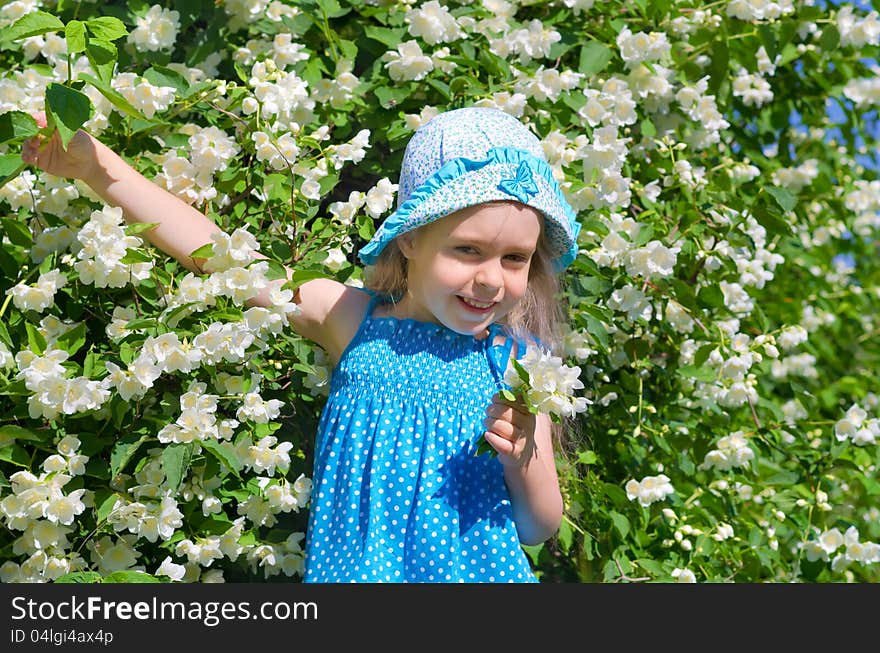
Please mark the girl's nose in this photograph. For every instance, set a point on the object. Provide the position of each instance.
(489, 275)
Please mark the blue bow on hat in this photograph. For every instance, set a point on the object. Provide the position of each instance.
(522, 186)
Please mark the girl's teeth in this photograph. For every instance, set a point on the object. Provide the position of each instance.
(471, 302)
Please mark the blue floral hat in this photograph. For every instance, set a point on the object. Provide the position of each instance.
(469, 156)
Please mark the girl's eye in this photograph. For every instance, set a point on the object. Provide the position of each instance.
(465, 249)
(517, 258)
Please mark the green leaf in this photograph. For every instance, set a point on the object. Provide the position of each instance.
(106, 28)
(507, 395)
(830, 38)
(32, 24)
(67, 109)
(389, 96)
(102, 55)
(587, 458)
(17, 232)
(718, 68)
(594, 58)
(710, 297)
(116, 98)
(225, 453)
(621, 523)
(124, 450)
(205, 251)
(386, 36)
(11, 166)
(9, 433)
(17, 126)
(130, 577)
(135, 256)
(784, 197)
(36, 341)
(175, 462)
(16, 455)
(75, 33)
(72, 339)
(139, 227)
(704, 374)
(161, 76)
(79, 577)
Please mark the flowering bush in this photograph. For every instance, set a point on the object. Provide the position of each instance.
(722, 160)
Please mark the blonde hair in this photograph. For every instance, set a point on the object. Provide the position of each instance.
(539, 314)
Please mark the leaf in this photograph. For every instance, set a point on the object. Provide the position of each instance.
(139, 227)
(17, 126)
(161, 76)
(116, 98)
(13, 453)
(205, 251)
(225, 453)
(830, 38)
(594, 58)
(9, 433)
(68, 110)
(73, 339)
(36, 341)
(710, 297)
(704, 374)
(79, 577)
(135, 256)
(587, 458)
(10, 167)
(124, 450)
(17, 232)
(32, 24)
(175, 462)
(130, 577)
(784, 197)
(718, 67)
(102, 55)
(75, 33)
(106, 28)
(621, 523)
(386, 36)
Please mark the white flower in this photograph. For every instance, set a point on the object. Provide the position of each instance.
(683, 576)
(733, 451)
(380, 198)
(551, 384)
(433, 23)
(171, 569)
(156, 30)
(408, 63)
(649, 489)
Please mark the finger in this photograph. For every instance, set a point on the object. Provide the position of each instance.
(507, 412)
(503, 428)
(499, 444)
(40, 117)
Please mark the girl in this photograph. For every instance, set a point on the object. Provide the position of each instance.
(459, 279)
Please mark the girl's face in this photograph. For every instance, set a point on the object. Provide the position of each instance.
(470, 268)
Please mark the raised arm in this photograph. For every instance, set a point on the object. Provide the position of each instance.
(181, 228)
(328, 308)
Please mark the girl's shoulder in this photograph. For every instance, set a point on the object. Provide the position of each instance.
(330, 313)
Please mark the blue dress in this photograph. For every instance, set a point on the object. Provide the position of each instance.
(399, 495)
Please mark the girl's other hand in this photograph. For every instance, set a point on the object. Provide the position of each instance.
(510, 430)
(76, 162)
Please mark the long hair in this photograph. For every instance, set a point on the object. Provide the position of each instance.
(538, 316)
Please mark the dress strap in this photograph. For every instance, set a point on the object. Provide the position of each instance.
(499, 355)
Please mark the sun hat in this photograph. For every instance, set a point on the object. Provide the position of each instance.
(469, 156)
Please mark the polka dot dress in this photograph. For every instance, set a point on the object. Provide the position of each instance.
(399, 495)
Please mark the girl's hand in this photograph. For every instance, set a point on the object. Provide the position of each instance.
(510, 430)
(76, 162)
